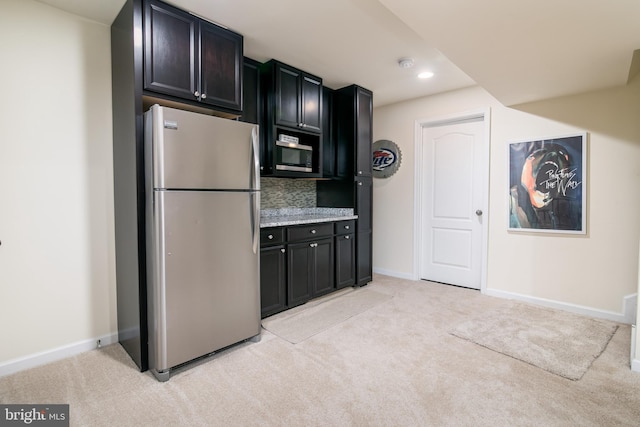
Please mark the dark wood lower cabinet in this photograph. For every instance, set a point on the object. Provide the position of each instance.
(310, 270)
(345, 260)
(299, 273)
(273, 280)
(324, 279)
(302, 262)
(364, 258)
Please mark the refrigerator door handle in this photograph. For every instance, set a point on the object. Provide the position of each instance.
(256, 158)
(255, 215)
(256, 186)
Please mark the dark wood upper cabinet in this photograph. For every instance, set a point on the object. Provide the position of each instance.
(354, 112)
(297, 98)
(221, 65)
(251, 97)
(292, 107)
(170, 50)
(310, 110)
(328, 135)
(287, 96)
(191, 59)
(364, 131)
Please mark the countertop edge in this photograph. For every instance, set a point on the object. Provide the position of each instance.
(284, 221)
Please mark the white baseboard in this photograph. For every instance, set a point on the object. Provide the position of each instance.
(627, 316)
(635, 363)
(37, 359)
(392, 273)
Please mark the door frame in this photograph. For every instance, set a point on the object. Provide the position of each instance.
(420, 124)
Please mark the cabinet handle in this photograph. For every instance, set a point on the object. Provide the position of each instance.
(196, 93)
(359, 172)
(270, 236)
(347, 237)
(313, 231)
(282, 250)
(346, 227)
(360, 183)
(204, 96)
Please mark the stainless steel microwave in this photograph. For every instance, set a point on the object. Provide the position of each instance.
(293, 157)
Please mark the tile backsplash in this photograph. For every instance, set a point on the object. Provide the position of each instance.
(285, 193)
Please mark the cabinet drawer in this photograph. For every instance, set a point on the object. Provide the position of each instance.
(310, 231)
(271, 236)
(345, 227)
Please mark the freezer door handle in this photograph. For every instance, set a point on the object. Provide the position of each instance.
(256, 158)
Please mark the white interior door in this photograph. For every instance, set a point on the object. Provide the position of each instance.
(452, 203)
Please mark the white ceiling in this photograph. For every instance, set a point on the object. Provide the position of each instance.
(519, 51)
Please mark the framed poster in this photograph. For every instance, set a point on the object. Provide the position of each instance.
(547, 184)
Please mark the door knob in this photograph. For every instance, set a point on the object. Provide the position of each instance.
(479, 212)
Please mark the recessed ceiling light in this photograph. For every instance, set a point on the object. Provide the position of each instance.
(425, 75)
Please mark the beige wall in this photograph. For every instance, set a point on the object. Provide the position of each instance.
(57, 273)
(595, 271)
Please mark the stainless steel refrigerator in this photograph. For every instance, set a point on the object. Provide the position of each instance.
(202, 222)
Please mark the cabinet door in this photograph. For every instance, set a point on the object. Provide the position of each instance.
(364, 197)
(170, 55)
(311, 106)
(251, 99)
(345, 260)
(221, 66)
(287, 96)
(324, 279)
(328, 137)
(272, 280)
(364, 133)
(300, 260)
(364, 262)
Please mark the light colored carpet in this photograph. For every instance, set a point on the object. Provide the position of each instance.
(306, 321)
(395, 364)
(563, 343)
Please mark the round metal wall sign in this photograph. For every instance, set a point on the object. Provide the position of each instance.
(386, 158)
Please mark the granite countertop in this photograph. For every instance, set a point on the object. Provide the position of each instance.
(295, 216)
